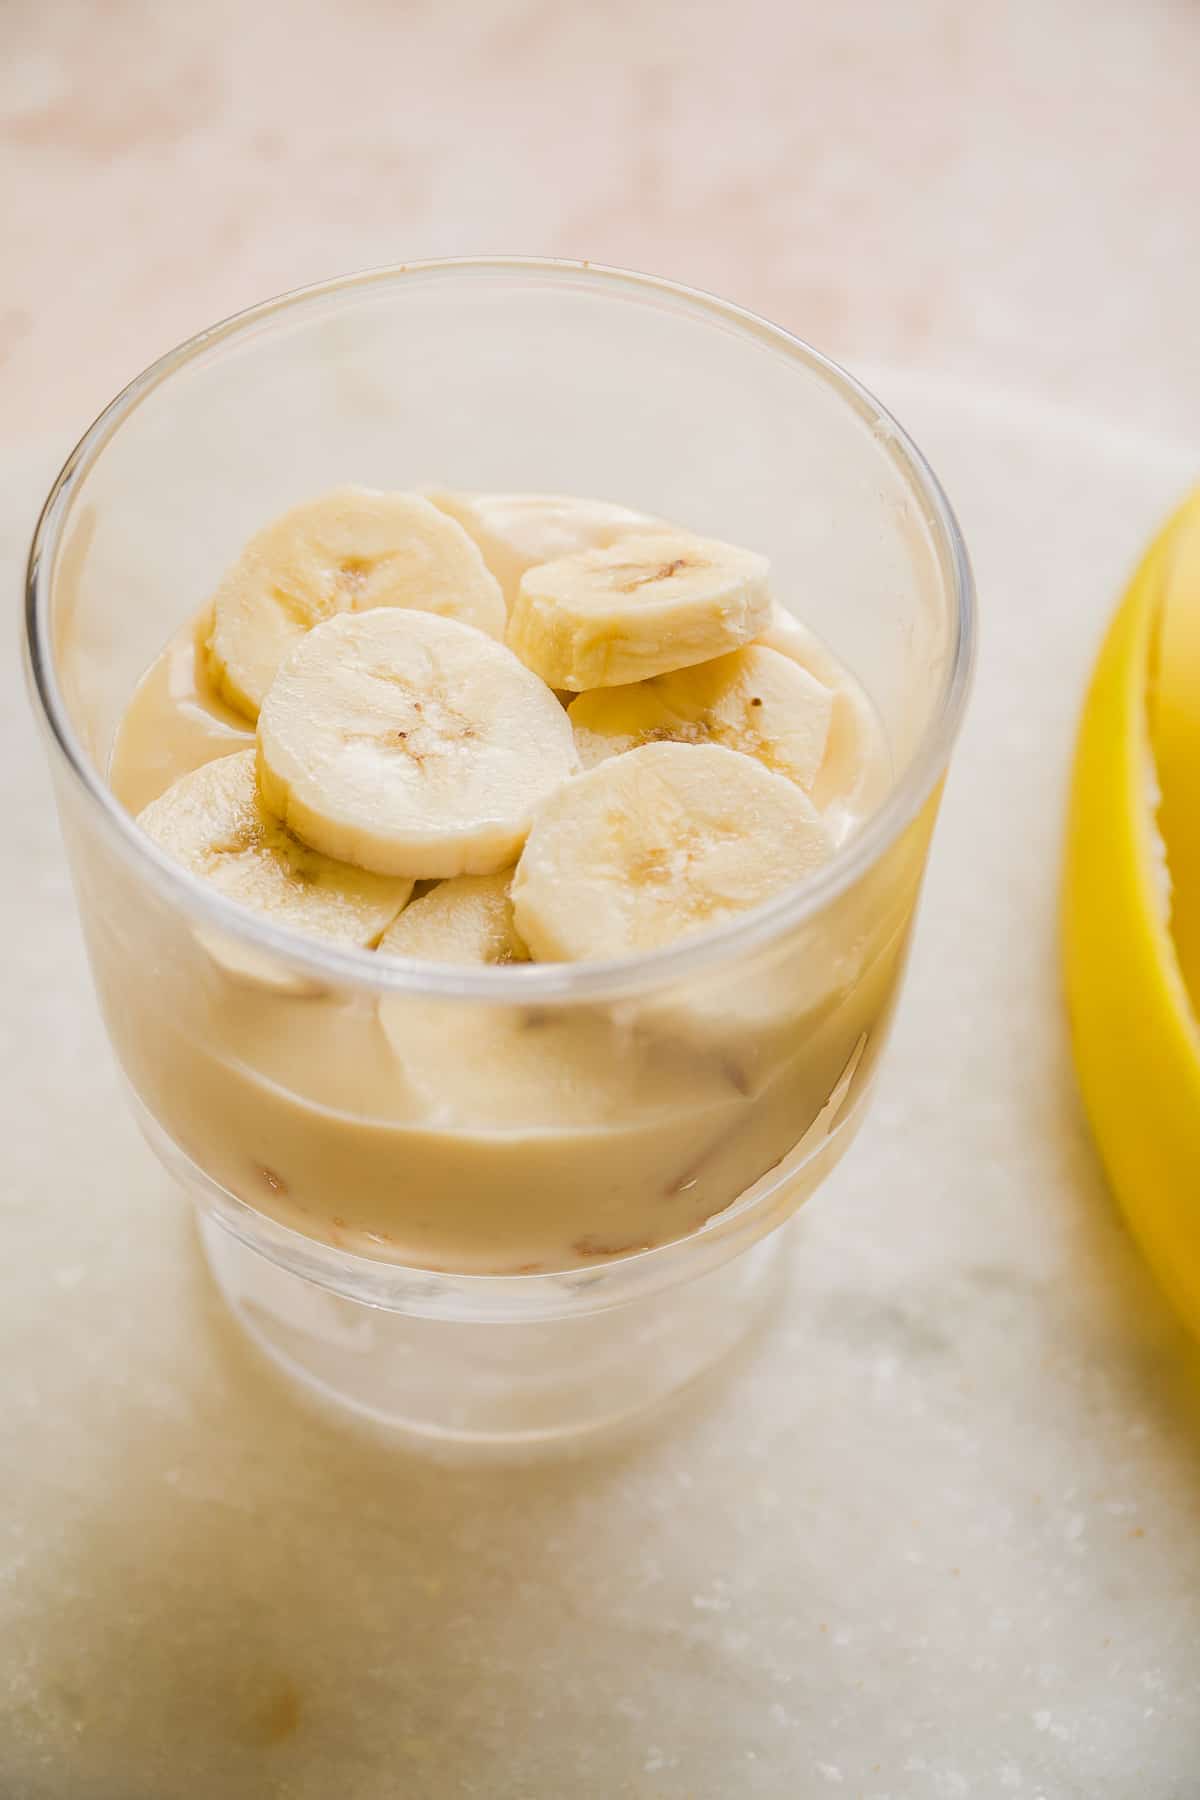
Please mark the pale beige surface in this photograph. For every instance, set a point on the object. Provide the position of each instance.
(934, 1539)
(1006, 190)
(937, 1540)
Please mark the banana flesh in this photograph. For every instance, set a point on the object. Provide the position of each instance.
(856, 770)
(753, 700)
(658, 844)
(516, 532)
(468, 919)
(410, 744)
(351, 550)
(213, 821)
(642, 607)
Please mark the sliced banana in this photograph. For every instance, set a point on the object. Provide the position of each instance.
(516, 532)
(506, 1067)
(659, 844)
(214, 823)
(466, 920)
(752, 700)
(533, 1071)
(856, 771)
(531, 1075)
(410, 744)
(349, 551)
(642, 607)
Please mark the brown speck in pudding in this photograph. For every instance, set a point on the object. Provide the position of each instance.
(735, 1075)
(590, 1246)
(278, 1718)
(274, 1182)
(756, 701)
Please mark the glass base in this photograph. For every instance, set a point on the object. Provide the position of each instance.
(499, 1384)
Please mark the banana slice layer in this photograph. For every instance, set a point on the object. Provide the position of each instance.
(753, 700)
(410, 745)
(466, 920)
(657, 845)
(856, 771)
(640, 608)
(516, 532)
(214, 823)
(350, 551)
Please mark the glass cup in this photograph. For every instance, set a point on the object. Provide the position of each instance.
(497, 1205)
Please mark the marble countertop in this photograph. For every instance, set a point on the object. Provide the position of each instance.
(934, 1537)
(1004, 192)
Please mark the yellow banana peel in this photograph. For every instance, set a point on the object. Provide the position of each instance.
(1131, 907)
(1174, 714)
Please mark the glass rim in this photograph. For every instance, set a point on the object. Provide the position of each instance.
(546, 982)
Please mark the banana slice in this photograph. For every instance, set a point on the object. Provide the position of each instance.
(509, 1067)
(516, 532)
(542, 1071)
(466, 920)
(410, 744)
(640, 608)
(856, 772)
(752, 700)
(659, 844)
(349, 551)
(214, 823)
(529, 1076)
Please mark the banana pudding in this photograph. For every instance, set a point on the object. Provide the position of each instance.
(473, 732)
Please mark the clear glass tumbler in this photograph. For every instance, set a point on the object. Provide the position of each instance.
(559, 1202)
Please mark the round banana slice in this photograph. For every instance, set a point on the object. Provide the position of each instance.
(856, 771)
(214, 823)
(540, 1073)
(752, 700)
(642, 607)
(659, 844)
(349, 551)
(516, 532)
(536, 1073)
(506, 1068)
(410, 744)
(466, 920)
